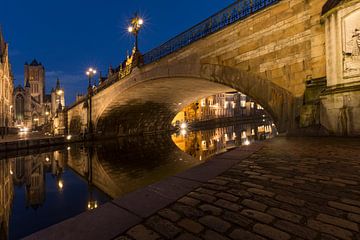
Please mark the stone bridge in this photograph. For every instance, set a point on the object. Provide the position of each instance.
(276, 54)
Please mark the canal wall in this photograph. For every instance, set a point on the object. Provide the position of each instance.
(25, 146)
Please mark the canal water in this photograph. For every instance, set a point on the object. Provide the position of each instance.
(42, 189)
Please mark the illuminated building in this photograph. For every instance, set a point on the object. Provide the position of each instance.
(224, 105)
(6, 85)
(33, 108)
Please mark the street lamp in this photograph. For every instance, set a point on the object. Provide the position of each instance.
(134, 28)
(90, 73)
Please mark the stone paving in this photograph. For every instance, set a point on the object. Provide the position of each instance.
(296, 188)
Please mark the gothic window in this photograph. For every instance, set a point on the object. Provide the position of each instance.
(19, 107)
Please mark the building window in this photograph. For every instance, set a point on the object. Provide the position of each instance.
(19, 107)
(243, 103)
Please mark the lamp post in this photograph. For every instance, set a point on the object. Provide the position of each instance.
(90, 73)
(134, 28)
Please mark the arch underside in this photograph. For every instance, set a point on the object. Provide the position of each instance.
(151, 104)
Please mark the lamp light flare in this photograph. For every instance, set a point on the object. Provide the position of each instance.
(183, 125)
(130, 29)
(60, 184)
(141, 21)
(90, 71)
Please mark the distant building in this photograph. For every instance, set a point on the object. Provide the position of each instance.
(34, 108)
(6, 86)
(223, 105)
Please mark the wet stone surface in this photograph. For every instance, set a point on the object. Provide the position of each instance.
(293, 188)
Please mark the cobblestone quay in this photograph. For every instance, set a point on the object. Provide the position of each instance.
(293, 188)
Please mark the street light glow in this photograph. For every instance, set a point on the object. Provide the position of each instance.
(141, 21)
(247, 142)
(130, 29)
(91, 71)
(183, 125)
(60, 184)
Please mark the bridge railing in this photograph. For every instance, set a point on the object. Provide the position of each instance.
(233, 13)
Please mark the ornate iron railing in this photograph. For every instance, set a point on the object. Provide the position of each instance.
(235, 12)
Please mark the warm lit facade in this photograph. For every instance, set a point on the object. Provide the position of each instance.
(6, 85)
(224, 105)
(33, 108)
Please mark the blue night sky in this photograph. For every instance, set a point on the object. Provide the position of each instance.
(67, 36)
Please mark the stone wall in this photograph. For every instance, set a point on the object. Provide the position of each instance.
(283, 43)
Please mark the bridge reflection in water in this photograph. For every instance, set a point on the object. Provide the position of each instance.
(42, 189)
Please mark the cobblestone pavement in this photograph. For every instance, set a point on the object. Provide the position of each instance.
(296, 188)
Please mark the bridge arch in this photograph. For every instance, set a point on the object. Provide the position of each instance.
(154, 94)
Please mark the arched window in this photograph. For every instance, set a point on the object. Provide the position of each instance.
(19, 107)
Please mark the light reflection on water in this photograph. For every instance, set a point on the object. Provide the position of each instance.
(39, 190)
(203, 144)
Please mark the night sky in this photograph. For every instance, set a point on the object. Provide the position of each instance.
(67, 36)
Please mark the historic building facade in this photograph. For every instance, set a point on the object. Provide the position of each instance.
(223, 105)
(34, 108)
(6, 86)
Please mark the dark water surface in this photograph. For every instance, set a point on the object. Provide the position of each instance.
(39, 190)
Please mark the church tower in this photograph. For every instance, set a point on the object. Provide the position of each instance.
(35, 74)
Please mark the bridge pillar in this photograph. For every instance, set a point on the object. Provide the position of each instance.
(340, 102)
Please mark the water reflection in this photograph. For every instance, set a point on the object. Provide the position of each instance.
(203, 144)
(6, 196)
(43, 189)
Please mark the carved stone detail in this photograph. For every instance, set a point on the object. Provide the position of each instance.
(351, 44)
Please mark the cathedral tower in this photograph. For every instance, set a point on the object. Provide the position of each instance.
(35, 74)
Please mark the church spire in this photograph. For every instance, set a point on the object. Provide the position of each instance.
(57, 83)
(2, 45)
